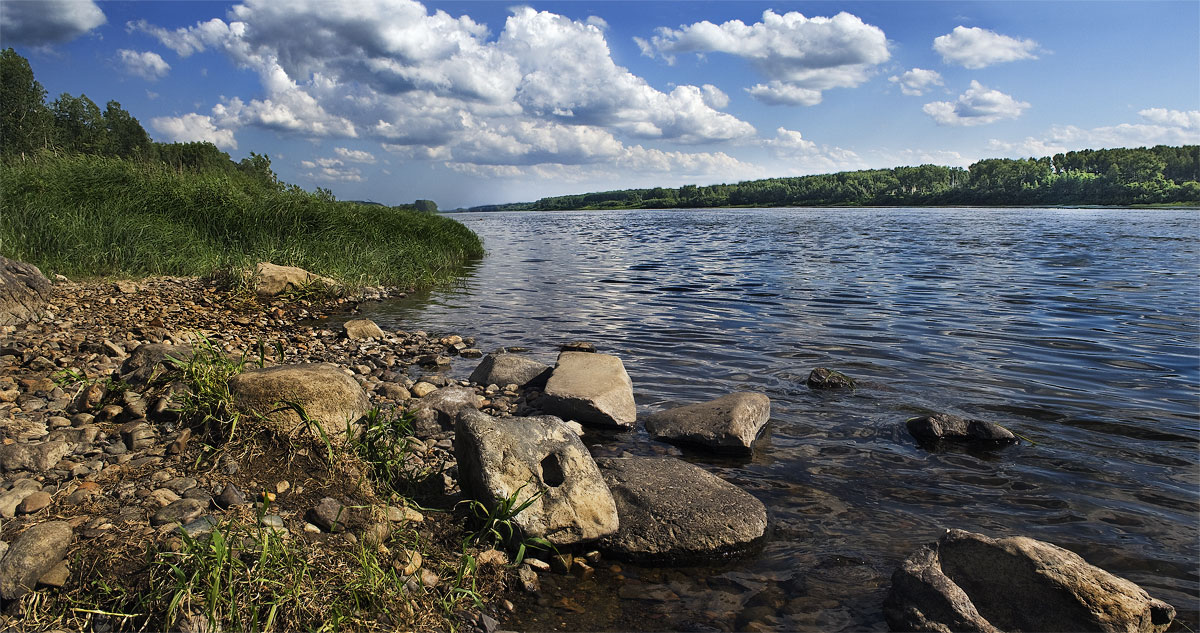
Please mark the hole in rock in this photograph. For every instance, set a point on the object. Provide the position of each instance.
(552, 471)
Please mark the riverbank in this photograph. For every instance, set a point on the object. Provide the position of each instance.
(90, 444)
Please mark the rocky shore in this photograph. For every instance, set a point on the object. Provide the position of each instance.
(178, 453)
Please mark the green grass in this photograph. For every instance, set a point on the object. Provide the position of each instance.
(90, 216)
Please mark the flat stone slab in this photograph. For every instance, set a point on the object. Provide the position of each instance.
(592, 389)
(675, 512)
(535, 457)
(728, 424)
(327, 395)
(970, 582)
(509, 369)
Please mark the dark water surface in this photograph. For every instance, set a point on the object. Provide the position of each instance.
(1077, 329)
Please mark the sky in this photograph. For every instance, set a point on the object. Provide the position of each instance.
(469, 103)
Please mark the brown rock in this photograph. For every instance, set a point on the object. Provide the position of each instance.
(34, 502)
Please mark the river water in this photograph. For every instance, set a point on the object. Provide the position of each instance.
(1077, 329)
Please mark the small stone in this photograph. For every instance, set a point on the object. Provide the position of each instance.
(422, 389)
(181, 511)
(36, 551)
(492, 557)
(529, 579)
(537, 564)
(407, 562)
(33, 503)
(329, 514)
(57, 576)
(163, 497)
(282, 487)
(180, 443)
(230, 497)
(199, 527)
(583, 570)
(822, 378)
(271, 521)
(181, 484)
(311, 529)
(428, 578)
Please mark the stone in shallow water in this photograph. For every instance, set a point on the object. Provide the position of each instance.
(673, 511)
(970, 582)
(949, 428)
(729, 423)
(503, 369)
(823, 378)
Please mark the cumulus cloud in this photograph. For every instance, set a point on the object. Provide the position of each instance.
(1160, 127)
(979, 105)
(194, 127)
(800, 56)
(805, 156)
(48, 21)
(915, 82)
(545, 88)
(973, 47)
(355, 155)
(147, 65)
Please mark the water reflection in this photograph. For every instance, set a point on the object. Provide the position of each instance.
(1075, 328)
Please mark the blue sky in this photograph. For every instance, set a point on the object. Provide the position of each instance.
(469, 103)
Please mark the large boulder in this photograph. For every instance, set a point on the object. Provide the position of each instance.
(23, 291)
(672, 511)
(970, 582)
(729, 423)
(327, 394)
(447, 403)
(152, 360)
(271, 280)
(510, 369)
(537, 458)
(36, 551)
(943, 427)
(590, 389)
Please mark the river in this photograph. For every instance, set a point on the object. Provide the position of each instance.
(1076, 328)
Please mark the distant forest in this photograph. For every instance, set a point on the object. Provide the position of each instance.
(1141, 176)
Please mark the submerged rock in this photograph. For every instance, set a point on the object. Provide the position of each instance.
(822, 378)
(537, 458)
(673, 511)
(510, 369)
(949, 428)
(729, 423)
(591, 389)
(327, 395)
(970, 582)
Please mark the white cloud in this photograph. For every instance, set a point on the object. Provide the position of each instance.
(546, 88)
(800, 56)
(803, 156)
(147, 65)
(194, 127)
(915, 82)
(979, 105)
(355, 155)
(48, 21)
(973, 47)
(1162, 127)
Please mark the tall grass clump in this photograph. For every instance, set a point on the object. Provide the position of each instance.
(96, 216)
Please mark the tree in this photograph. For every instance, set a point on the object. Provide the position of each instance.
(258, 167)
(78, 124)
(427, 206)
(25, 122)
(126, 136)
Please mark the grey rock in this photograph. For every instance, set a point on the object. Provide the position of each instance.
(537, 458)
(332, 515)
(138, 434)
(202, 526)
(11, 498)
(134, 404)
(970, 582)
(729, 423)
(447, 403)
(230, 497)
(181, 484)
(949, 428)
(673, 511)
(36, 551)
(35, 457)
(23, 292)
(150, 361)
(503, 369)
(181, 511)
(361, 330)
(328, 396)
(591, 389)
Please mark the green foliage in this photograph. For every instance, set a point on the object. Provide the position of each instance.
(25, 122)
(497, 526)
(425, 206)
(207, 373)
(385, 444)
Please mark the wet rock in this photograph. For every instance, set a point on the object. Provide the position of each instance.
(590, 389)
(35, 456)
(328, 396)
(448, 403)
(36, 551)
(673, 511)
(503, 369)
(271, 280)
(149, 361)
(536, 456)
(23, 291)
(362, 330)
(578, 346)
(949, 428)
(970, 582)
(181, 511)
(822, 378)
(729, 423)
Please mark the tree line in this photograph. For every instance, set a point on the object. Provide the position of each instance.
(1155, 175)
